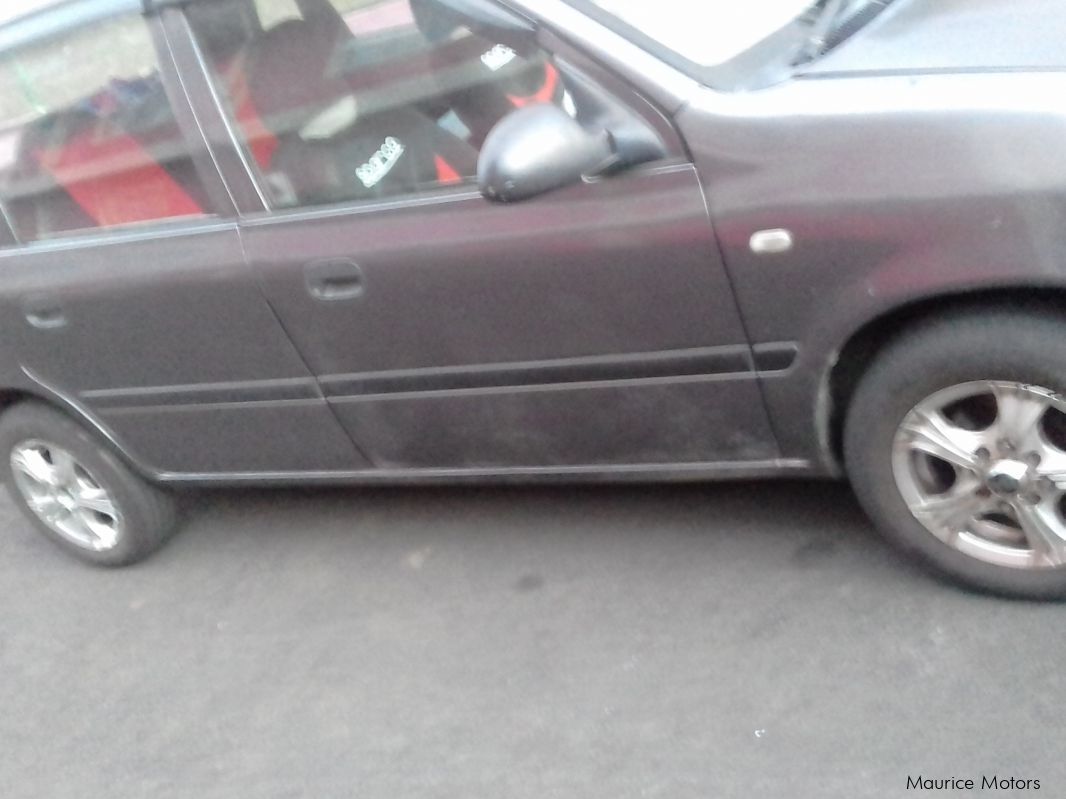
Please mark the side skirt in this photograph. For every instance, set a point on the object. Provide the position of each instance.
(687, 472)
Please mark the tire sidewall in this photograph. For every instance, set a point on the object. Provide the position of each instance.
(938, 357)
(138, 503)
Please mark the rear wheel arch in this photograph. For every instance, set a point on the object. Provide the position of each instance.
(10, 397)
(862, 347)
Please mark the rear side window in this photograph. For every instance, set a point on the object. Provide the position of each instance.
(342, 100)
(88, 138)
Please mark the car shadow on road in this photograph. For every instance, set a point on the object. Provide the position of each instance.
(795, 526)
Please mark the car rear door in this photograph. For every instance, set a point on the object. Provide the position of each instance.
(128, 295)
(591, 327)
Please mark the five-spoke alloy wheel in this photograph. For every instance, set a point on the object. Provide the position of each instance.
(982, 466)
(955, 443)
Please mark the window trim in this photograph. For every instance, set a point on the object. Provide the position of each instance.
(192, 132)
(210, 108)
(7, 230)
(440, 196)
(207, 107)
(174, 227)
(652, 78)
(619, 89)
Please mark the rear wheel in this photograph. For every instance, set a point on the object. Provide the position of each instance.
(955, 442)
(76, 492)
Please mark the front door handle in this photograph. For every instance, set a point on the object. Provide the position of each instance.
(334, 279)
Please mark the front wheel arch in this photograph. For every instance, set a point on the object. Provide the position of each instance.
(854, 357)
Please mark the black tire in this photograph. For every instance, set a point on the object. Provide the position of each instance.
(147, 512)
(1001, 345)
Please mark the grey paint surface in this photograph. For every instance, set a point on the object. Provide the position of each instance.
(898, 188)
(697, 420)
(397, 644)
(619, 266)
(176, 314)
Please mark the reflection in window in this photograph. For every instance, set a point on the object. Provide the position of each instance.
(87, 135)
(340, 100)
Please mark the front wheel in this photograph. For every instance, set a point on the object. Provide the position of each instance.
(76, 492)
(955, 443)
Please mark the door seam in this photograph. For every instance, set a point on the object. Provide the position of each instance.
(319, 393)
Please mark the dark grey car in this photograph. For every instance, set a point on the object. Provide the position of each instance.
(273, 241)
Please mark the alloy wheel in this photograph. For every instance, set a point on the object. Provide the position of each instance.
(64, 495)
(982, 466)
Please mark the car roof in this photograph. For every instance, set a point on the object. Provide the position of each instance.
(26, 21)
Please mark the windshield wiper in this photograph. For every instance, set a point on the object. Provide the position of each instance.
(822, 29)
(836, 21)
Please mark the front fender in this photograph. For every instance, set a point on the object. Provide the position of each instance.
(896, 189)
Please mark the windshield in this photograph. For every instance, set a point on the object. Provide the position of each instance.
(708, 32)
(13, 9)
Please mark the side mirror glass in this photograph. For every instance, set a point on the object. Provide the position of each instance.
(537, 149)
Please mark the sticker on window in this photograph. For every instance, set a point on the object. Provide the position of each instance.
(381, 163)
(498, 57)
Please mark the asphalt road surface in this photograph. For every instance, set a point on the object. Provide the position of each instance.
(738, 640)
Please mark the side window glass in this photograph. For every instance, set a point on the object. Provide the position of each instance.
(341, 100)
(87, 135)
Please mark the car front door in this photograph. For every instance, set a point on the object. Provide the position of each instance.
(128, 295)
(589, 327)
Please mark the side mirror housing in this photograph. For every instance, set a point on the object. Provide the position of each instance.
(537, 149)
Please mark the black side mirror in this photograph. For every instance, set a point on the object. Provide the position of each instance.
(539, 148)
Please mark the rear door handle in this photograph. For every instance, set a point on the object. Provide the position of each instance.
(44, 314)
(334, 279)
